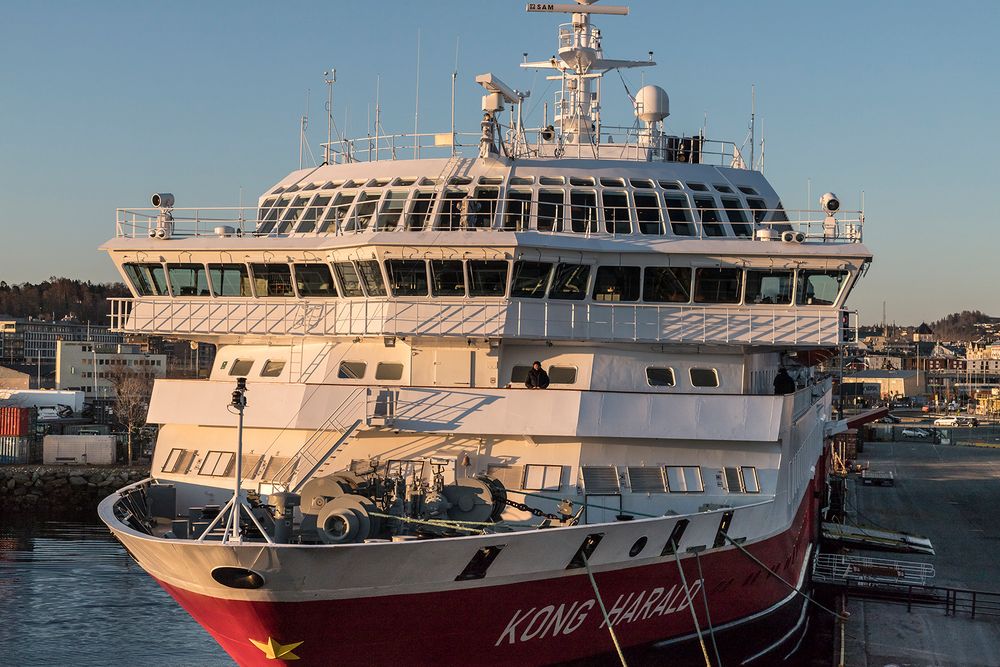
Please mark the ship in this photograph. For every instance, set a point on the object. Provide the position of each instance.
(530, 395)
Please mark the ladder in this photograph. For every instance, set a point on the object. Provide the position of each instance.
(304, 374)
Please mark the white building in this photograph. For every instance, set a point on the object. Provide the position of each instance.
(88, 367)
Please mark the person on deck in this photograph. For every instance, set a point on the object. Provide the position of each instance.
(783, 383)
(537, 377)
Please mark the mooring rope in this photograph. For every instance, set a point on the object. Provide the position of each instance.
(708, 614)
(604, 611)
(694, 616)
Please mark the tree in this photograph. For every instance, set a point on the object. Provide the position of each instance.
(132, 394)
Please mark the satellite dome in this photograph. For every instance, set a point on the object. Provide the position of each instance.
(652, 104)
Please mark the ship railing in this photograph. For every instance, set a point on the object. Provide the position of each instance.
(482, 319)
(636, 218)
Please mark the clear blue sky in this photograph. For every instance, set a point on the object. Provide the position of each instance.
(103, 103)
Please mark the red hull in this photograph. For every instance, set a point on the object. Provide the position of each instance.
(531, 623)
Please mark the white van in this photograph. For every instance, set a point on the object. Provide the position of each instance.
(946, 421)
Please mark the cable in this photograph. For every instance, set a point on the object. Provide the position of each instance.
(604, 611)
(708, 614)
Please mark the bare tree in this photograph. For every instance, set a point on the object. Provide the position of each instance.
(132, 392)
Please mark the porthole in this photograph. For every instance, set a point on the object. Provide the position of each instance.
(637, 548)
(237, 577)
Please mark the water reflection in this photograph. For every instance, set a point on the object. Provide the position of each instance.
(70, 595)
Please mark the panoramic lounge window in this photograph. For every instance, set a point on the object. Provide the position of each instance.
(268, 215)
(769, 287)
(334, 218)
(482, 208)
(648, 214)
(230, 279)
(681, 222)
(420, 211)
(188, 279)
(550, 210)
(407, 277)
(312, 214)
(391, 211)
(704, 377)
(660, 377)
(487, 277)
(518, 211)
(453, 209)
(819, 288)
(737, 217)
(272, 279)
(364, 211)
(617, 283)
(314, 280)
(667, 284)
(616, 215)
(710, 218)
(371, 275)
(717, 285)
(350, 281)
(530, 279)
(447, 277)
(583, 211)
(291, 215)
(569, 282)
(351, 370)
(147, 279)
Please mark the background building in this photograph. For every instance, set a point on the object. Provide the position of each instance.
(90, 367)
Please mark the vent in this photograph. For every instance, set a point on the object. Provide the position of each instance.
(512, 477)
(279, 470)
(734, 481)
(251, 465)
(646, 480)
(599, 480)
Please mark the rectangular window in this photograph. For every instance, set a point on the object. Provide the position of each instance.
(616, 213)
(350, 281)
(617, 283)
(704, 377)
(660, 377)
(819, 288)
(646, 480)
(272, 368)
(487, 277)
(717, 285)
(388, 371)
(569, 282)
(600, 480)
(371, 275)
(147, 279)
(407, 277)
(453, 209)
(550, 210)
(391, 210)
(710, 218)
(312, 214)
(512, 477)
(364, 210)
(748, 475)
(230, 279)
(217, 464)
(648, 214)
(542, 477)
(769, 287)
(241, 367)
(272, 280)
(447, 277)
(333, 221)
(679, 214)
(518, 211)
(562, 375)
(519, 374)
(482, 208)
(352, 370)
(314, 280)
(684, 479)
(737, 216)
(179, 461)
(420, 211)
(665, 284)
(583, 211)
(530, 279)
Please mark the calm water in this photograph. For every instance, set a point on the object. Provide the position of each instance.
(70, 595)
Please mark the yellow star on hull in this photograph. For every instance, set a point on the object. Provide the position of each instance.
(275, 651)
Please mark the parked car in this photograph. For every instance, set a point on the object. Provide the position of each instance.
(968, 421)
(915, 433)
(890, 419)
(946, 421)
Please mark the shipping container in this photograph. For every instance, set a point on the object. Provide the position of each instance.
(15, 421)
(15, 449)
(77, 449)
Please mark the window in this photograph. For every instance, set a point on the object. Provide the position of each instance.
(487, 277)
(757, 207)
(521, 180)
(334, 218)
(241, 367)
(660, 377)
(229, 279)
(681, 222)
(350, 282)
(147, 279)
(704, 377)
(640, 183)
(600, 480)
(279, 469)
(420, 210)
(717, 285)
(512, 477)
(272, 280)
(562, 375)
(407, 277)
(311, 215)
(482, 208)
(646, 480)
(447, 277)
(769, 287)
(612, 182)
(747, 190)
(188, 280)
(569, 282)
(699, 187)
(684, 479)
(363, 211)
(388, 371)
(291, 214)
(616, 212)
(268, 215)
(371, 275)
(314, 280)
(710, 219)
(748, 475)
(453, 208)
(551, 180)
(665, 284)
(583, 211)
(217, 464)
(819, 288)
(582, 180)
(272, 368)
(179, 461)
(519, 374)
(550, 210)
(530, 279)
(617, 283)
(518, 211)
(392, 210)
(722, 188)
(737, 216)
(542, 477)
(648, 214)
(352, 370)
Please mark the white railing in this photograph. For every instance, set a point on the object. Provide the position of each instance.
(486, 319)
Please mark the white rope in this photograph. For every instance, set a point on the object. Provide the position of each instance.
(694, 616)
(604, 611)
(708, 614)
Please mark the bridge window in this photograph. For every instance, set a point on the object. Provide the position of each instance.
(309, 218)
(704, 377)
(447, 277)
(757, 207)
(617, 283)
(334, 218)
(684, 479)
(819, 288)
(363, 212)
(613, 182)
(670, 185)
(420, 211)
(530, 279)
(521, 180)
(388, 371)
(268, 215)
(550, 210)
(483, 208)
(230, 279)
(371, 276)
(640, 183)
(314, 280)
(272, 368)
(717, 285)
(667, 284)
(569, 282)
(350, 281)
(147, 279)
(487, 277)
(272, 280)
(747, 190)
(407, 277)
(769, 287)
(583, 211)
(679, 214)
(551, 180)
(291, 214)
(616, 212)
(518, 211)
(698, 187)
(710, 218)
(351, 370)
(453, 208)
(660, 377)
(737, 217)
(391, 210)
(721, 188)
(648, 214)
(582, 180)
(188, 280)
(241, 367)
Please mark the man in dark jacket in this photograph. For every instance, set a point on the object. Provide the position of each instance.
(783, 383)
(537, 377)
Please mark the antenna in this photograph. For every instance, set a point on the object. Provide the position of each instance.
(303, 123)
(454, 76)
(330, 78)
(416, 109)
(753, 104)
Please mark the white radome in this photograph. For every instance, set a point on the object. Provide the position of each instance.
(652, 104)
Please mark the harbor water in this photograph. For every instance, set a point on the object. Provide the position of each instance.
(70, 595)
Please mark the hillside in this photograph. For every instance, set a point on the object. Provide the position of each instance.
(60, 298)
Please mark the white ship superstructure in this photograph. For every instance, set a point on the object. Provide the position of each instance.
(400, 485)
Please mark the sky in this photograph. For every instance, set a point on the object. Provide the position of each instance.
(103, 103)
